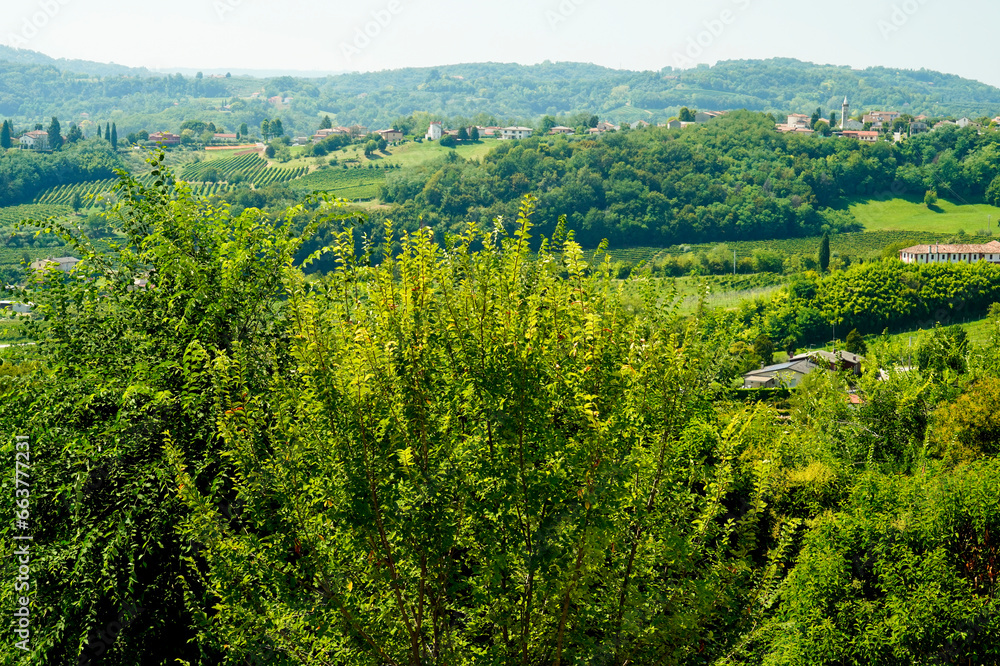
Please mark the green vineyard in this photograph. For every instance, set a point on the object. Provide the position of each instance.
(358, 184)
(249, 168)
(13, 215)
(63, 194)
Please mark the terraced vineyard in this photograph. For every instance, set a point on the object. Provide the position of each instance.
(357, 184)
(12, 215)
(250, 168)
(63, 194)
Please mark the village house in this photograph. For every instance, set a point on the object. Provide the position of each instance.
(165, 138)
(639, 124)
(390, 135)
(880, 119)
(434, 132)
(780, 375)
(871, 136)
(791, 373)
(561, 129)
(488, 132)
(677, 124)
(35, 140)
(509, 133)
(65, 264)
(223, 138)
(705, 116)
(951, 254)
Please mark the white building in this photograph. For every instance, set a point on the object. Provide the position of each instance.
(516, 132)
(434, 132)
(951, 254)
(35, 140)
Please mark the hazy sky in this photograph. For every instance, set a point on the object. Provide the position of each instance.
(215, 35)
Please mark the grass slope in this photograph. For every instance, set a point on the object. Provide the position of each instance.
(912, 215)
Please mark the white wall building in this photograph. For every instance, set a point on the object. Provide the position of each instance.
(951, 254)
(434, 132)
(516, 132)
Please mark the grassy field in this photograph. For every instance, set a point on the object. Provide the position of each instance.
(912, 215)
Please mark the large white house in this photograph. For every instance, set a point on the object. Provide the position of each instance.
(951, 254)
(434, 132)
(516, 132)
(35, 140)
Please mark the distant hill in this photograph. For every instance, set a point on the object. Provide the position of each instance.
(28, 57)
(34, 87)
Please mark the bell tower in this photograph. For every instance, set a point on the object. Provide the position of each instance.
(845, 111)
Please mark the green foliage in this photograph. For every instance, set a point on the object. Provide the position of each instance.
(855, 343)
(930, 198)
(476, 459)
(122, 369)
(944, 350)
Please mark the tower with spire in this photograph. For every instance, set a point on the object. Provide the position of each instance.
(844, 113)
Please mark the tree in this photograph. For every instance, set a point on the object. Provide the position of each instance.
(99, 135)
(199, 76)
(74, 134)
(763, 349)
(449, 141)
(76, 203)
(114, 136)
(824, 253)
(382, 144)
(856, 343)
(474, 134)
(5, 141)
(370, 148)
(685, 115)
(326, 123)
(55, 134)
(817, 114)
(107, 132)
(822, 127)
(244, 130)
(930, 198)
(548, 122)
(277, 130)
(463, 134)
(265, 129)
(269, 152)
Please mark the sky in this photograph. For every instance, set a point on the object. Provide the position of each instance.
(365, 35)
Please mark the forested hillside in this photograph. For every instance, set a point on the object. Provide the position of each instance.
(734, 178)
(474, 453)
(34, 87)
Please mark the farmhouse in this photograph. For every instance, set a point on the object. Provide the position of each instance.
(951, 254)
(65, 264)
(705, 116)
(780, 375)
(516, 132)
(562, 129)
(434, 132)
(790, 373)
(165, 138)
(390, 135)
(35, 140)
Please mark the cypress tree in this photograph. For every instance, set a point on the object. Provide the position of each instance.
(824, 253)
(55, 134)
(107, 132)
(5, 135)
(114, 137)
(99, 132)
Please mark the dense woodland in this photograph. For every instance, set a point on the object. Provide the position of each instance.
(734, 178)
(476, 453)
(34, 87)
